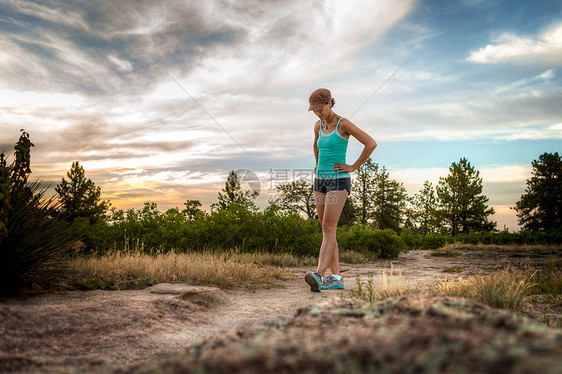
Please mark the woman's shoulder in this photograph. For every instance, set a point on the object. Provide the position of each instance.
(344, 122)
(317, 125)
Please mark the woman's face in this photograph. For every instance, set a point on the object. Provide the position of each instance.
(324, 112)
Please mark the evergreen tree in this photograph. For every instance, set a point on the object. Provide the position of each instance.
(192, 207)
(348, 215)
(364, 189)
(21, 167)
(540, 208)
(423, 211)
(389, 202)
(232, 194)
(463, 208)
(5, 206)
(296, 196)
(79, 196)
(378, 199)
(31, 239)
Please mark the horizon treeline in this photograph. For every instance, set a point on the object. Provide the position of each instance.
(379, 218)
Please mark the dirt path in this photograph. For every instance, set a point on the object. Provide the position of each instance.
(100, 330)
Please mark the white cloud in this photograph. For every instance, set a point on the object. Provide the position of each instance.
(510, 173)
(547, 75)
(52, 14)
(19, 67)
(22, 99)
(417, 176)
(285, 45)
(510, 48)
(122, 65)
(467, 133)
(547, 132)
(489, 174)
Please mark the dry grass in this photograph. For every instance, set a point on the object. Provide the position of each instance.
(130, 270)
(275, 259)
(454, 247)
(135, 269)
(352, 257)
(392, 283)
(505, 289)
(548, 280)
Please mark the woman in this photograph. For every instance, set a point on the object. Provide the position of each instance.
(332, 183)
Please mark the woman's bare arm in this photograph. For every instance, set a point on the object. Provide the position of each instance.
(364, 138)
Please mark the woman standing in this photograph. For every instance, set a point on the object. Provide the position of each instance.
(332, 183)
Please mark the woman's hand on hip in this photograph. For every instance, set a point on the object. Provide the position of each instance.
(343, 168)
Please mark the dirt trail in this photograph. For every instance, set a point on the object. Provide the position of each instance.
(101, 330)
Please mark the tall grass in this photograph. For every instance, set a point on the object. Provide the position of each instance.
(548, 280)
(392, 282)
(504, 289)
(134, 269)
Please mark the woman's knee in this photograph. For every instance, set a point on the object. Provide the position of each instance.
(329, 227)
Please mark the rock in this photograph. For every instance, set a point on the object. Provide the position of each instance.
(415, 333)
(195, 294)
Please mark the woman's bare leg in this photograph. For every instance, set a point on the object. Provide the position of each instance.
(332, 208)
(319, 199)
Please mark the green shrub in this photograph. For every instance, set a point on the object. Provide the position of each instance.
(151, 231)
(372, 243)
(553, 236)
(435, 240)
(412, 239)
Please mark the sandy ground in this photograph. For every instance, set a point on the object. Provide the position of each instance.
(96, 331)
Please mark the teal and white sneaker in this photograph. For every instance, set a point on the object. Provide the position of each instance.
(332, 284)
(314, 280)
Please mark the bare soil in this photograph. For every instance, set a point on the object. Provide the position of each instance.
(98, 331)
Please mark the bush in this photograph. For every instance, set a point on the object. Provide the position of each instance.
(149, 231)
(371, 243)
(437, 240)
(273, 231)
(553, 236)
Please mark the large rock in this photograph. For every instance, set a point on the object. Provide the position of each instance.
(411, 334)
(195, 294)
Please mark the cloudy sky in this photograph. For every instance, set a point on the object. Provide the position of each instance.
(158, 100)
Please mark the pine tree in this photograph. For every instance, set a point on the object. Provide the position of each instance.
(462, 207)
(232, 194)
(389, 202)
(364, 189)
(31, 238)
(348, 215)
(79, 196)
(192, 207)
(379, 200)
(540, 208)
(5, 206)
(423, 212)
(296, 196)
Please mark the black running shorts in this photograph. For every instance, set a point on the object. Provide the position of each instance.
(332, 184)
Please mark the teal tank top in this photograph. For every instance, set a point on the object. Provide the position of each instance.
(332, 149)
